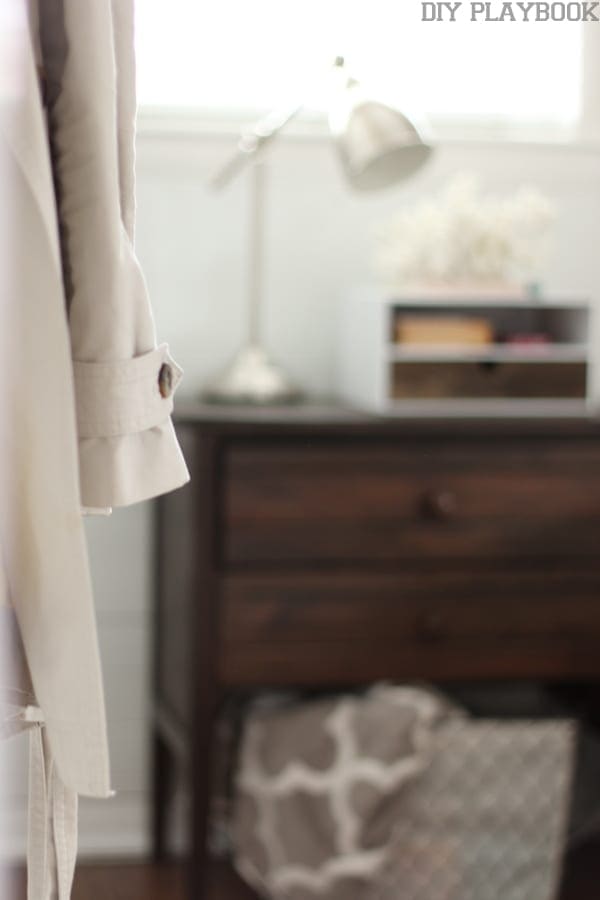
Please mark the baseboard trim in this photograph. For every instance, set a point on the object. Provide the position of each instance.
(108, 829)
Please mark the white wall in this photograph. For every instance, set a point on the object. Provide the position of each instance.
(192, 245)
(192, 241)
(120, 550)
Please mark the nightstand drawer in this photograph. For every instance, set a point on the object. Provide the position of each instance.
(422, 606)
(375, 501)
(387, 626)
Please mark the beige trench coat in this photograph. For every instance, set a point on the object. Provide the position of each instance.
(86, 392)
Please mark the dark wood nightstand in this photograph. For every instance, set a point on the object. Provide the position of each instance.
(320, 547)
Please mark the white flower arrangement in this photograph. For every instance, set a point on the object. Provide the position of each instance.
(464, 238)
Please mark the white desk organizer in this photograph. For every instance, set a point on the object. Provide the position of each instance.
(379, 374)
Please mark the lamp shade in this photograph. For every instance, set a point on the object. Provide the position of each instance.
(378, 144)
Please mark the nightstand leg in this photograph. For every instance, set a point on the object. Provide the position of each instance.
(200, 773)
(162, 774)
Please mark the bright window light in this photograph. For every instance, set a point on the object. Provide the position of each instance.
(249, 55)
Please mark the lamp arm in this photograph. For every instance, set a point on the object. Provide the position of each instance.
(252, 141)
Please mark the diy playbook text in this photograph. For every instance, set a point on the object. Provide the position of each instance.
(511, 12)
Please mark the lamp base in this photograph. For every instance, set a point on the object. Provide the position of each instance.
(252, 378)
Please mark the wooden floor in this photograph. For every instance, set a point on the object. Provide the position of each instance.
(134, 881)
(138, 881)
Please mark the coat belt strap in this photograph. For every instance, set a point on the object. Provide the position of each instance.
(52, 832)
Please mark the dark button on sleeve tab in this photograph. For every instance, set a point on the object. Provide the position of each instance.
(165, 380)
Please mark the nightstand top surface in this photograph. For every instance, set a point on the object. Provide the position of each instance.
(333, 415)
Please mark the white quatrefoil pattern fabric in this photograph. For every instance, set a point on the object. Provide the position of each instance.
(397, 795)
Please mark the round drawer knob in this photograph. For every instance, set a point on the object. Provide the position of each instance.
(440, 504)
(431, 625)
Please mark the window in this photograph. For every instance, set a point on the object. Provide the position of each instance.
(250, 55)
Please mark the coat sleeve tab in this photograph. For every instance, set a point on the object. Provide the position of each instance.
(125, 397)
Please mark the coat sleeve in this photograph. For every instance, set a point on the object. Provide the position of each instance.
(124, 380)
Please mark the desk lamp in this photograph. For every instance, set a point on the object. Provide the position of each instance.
(378, 147)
